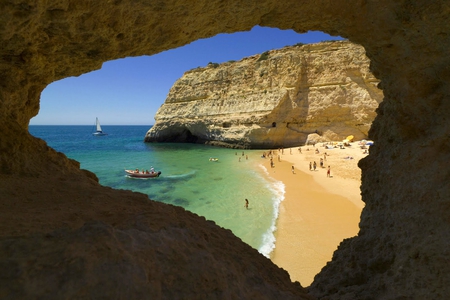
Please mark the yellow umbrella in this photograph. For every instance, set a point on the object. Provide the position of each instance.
(350, 138)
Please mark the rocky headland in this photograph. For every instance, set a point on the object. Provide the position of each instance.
(274, 99)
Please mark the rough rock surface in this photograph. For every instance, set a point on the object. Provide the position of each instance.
(274, 99)
(402, 249)
(127, 248)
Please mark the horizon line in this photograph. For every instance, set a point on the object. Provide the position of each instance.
(90, 125)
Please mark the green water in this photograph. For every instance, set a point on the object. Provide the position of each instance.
(215, 190)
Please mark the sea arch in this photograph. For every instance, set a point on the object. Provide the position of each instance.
(402, 247)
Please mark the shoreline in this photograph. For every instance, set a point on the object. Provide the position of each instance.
(278, 188)
(317, 211)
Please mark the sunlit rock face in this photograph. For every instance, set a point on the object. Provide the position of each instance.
(274, 99)
(402, 249)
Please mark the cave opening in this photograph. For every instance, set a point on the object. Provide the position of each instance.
(102, 93)
(402, 247)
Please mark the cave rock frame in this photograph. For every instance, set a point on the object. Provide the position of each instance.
(402, 249)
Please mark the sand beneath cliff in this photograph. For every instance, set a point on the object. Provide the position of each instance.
(318, 212)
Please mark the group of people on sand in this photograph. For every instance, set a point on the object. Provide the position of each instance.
(270, 156)
(313, 165)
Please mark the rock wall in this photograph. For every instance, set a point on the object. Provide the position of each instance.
(275, 99)
(402, 249)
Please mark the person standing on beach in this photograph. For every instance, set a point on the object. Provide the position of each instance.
(314, 165)
(293, 170)
(328, 172)
(310, 166)
(246, 203)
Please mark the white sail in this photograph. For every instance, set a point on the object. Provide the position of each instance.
(99, 131)
(98, 125)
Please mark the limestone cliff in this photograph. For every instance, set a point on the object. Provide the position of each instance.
(274, 99)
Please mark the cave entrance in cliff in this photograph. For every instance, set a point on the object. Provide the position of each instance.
(106, 93)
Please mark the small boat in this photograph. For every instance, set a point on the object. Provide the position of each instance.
(99, 131)
(213, 159)
(137, 174)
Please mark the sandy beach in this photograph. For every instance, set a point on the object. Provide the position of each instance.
(318, 211)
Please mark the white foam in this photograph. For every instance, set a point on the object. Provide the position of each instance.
(181, 175)
(268, 239)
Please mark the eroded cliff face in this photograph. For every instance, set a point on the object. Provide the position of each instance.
(47, 202)
(273, 100)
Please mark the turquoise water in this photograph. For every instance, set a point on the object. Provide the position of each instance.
(215, 190)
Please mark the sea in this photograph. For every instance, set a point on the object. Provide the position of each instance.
(215, 190)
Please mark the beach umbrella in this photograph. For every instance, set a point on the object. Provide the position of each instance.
(350, 138)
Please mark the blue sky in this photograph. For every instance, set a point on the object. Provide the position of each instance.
(129, 91)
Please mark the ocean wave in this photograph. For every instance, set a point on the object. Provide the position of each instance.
(264, 169)
(268, 238)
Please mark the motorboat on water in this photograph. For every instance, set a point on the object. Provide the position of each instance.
(213, 159)
(143, 174)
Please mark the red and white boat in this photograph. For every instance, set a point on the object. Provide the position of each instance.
(137, 174)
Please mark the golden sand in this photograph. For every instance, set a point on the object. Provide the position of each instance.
(318, 212)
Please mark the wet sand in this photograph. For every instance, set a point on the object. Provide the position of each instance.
(318, 212)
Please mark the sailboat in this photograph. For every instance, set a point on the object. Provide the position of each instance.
(99, 128)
